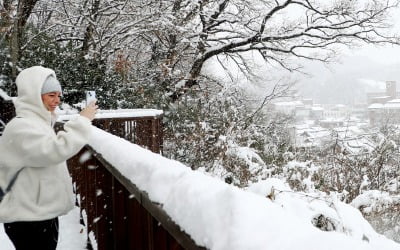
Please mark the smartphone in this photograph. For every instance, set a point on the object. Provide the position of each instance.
(90, 96)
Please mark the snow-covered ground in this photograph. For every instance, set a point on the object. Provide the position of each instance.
(72, 234)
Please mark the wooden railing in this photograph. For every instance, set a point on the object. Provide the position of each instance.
(119, 215)
(144, 131)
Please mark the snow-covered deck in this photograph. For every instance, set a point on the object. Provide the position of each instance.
(72, 234)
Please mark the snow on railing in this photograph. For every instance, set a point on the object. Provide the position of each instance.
(124, 123)
(220, 216)
(64, 115)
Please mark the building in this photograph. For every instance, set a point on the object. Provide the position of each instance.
(305, 109)
(338, 111)
(387, 113)
(383, 97)
(360, 111)
(384, 108)
(346, 139)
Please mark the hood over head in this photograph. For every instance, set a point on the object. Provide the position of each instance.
(29, 101)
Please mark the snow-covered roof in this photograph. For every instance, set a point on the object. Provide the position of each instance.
(375, 106)
(394, 101)
(333, 120)
(381, 97)
(357, 145)
(292, 103)
(314, 108)
(303, 126)
(312, 136)
(392, 105)
(352, 138)
(355, 130)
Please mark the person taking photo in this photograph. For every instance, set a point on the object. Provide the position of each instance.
(33, 157)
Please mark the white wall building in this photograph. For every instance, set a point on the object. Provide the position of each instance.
(387, 113)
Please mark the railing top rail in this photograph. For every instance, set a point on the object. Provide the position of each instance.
(127, 114)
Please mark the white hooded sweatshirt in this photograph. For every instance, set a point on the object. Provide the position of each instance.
(43, 189)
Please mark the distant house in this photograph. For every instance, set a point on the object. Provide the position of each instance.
(310, 137)
(383, 97)
(317, 112)
(384, 108)
(289, 107)
(305, 109)
(331, 123)
(338, 111)
(353, 141)
(299, 109)
(387, 113)
(302, 113)
(355, 146)
(347, 140)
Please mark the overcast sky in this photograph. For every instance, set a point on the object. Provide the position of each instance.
(359, 71)
(349, 80)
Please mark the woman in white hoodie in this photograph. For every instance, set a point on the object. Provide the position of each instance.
(42, 190)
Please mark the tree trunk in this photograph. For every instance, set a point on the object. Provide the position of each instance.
(5, 21)
(24, 10)
(191, 80)
(90, 29)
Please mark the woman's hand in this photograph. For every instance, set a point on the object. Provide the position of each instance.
(90, 111)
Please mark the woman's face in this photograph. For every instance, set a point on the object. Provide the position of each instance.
(51, 100)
